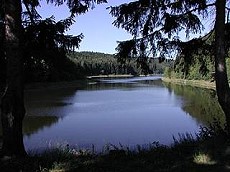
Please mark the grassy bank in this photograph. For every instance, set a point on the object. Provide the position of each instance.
(195, 83)
(209, 151)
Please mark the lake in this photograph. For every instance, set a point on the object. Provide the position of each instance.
(128, 111)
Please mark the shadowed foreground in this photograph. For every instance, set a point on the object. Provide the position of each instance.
(210, 151)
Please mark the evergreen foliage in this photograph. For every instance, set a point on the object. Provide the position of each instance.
(45, 51)
(196, 60)
(94, 63)
(155, 25)
(45, 44)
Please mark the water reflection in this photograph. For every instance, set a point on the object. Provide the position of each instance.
(128, 111)
(202, 104)
(49, 102)
(124, 83)
(32, 124)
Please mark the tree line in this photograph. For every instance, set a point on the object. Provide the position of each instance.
(199, 63)
(56, 64)
(95, 63)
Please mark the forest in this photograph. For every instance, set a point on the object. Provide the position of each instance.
(67, 66)
(93, 63)
(199, 64)
(35, 49)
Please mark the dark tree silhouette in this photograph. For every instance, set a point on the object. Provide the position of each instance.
(12, 105)
(45, 50)
(155, 25)
(12, 46)
(222, 85)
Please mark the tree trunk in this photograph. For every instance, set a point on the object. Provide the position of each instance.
(12, 104)
(222, 86)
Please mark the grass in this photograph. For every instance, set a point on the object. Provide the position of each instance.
(203, 158)
(195, 83)
(208, 151)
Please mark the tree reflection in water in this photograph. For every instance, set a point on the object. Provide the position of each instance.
(200, 103)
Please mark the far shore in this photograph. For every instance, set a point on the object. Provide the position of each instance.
(83, 82)
(109, 76)
(76, 83)
(195, 83)
(118, 76)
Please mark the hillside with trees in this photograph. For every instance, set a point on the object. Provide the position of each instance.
(196, 61)
(95, 63)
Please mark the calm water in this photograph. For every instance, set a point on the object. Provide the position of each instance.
(127, 111)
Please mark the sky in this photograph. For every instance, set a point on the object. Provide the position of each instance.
(96, 25)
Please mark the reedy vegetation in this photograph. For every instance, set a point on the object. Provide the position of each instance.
(207, 151)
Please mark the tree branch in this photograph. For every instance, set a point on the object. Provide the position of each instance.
(196, 9)
(29, 12)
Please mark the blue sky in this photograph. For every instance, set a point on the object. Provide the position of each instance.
(96, 25)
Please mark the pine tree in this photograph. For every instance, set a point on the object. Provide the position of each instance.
(12, 102)
(156, 24)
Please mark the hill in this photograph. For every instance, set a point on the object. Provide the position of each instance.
(95, 63)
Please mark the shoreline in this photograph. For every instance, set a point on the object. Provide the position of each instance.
(109, 76)
(119, 76)
(74, 83)
(195, 83)
(83, 82)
